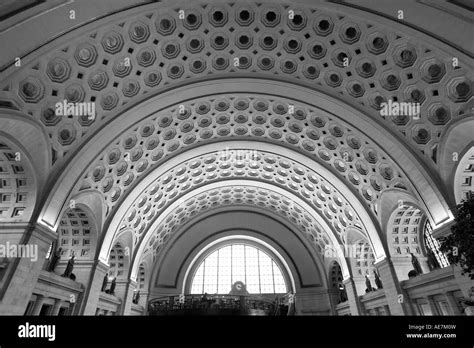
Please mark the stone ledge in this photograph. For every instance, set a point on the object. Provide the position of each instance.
(370, 296)
(313, 312)
(52, 279)
(342, 306)
(137, 306)
(443, 231)
(137, 309)
(435, 276)
(109, 298)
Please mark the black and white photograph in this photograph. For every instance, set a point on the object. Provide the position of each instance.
(250, 171)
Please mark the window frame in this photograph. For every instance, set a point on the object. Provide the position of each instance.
(194, 267)
(431, 243)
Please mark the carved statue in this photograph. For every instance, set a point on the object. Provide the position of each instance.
(105, 282)
(342, 293)
(416, 264)
(54, 260)
(136, 297)
(378, 281)
(291, 304)
(112, 286)
(69, 268)
(368, 284)
(432, 261)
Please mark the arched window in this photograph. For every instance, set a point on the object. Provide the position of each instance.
(238, 262)
(433, 245)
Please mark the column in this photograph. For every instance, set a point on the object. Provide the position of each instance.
(359, 283)
(128, 298)
(352, 296)
(144, 300)
(432, 304)
(423, 260)
(452, 303)
(21, 279)
(38, 304)
(91, 296)
(398, 304)
(313, 301)
(121, 286)
(75, 308)
(334, 298)
(56, 307)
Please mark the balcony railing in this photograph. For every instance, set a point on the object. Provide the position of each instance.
(217, 305)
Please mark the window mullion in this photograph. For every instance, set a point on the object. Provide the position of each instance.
(258, 267)
(245, 266)
(203, 275)
(273, 278)
(273, 271)
(217, 271)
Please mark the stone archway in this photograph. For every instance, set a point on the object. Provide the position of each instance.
(299, 84)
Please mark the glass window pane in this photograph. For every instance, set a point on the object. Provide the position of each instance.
(434, 246)
(238, 262)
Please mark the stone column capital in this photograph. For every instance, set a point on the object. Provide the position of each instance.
(102, 267)
(133, 283)
(383, 262)
(43, 232)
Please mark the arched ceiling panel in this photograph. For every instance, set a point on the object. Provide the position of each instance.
(364, 61)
